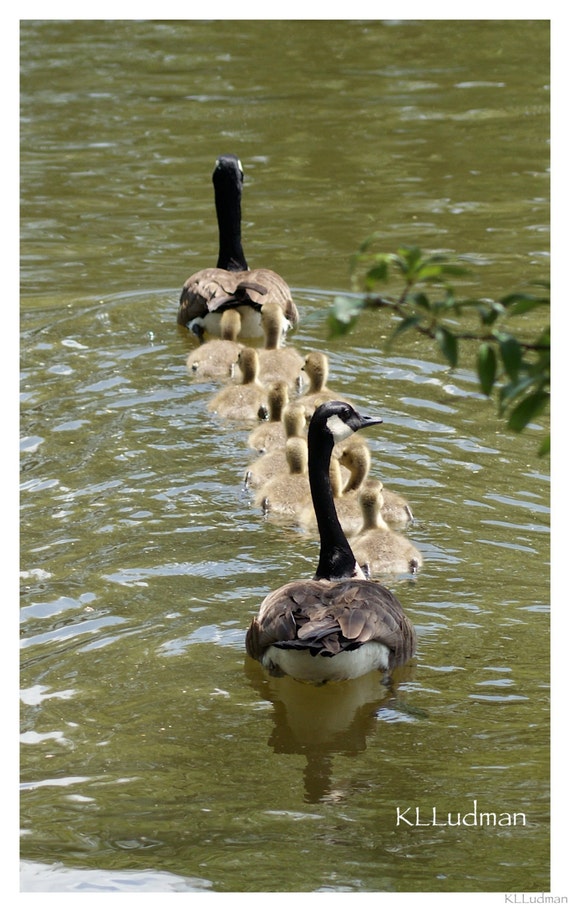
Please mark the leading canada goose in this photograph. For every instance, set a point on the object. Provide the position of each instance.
(207, 293)
(215, 359)
(338, 625)
(242, 401)
(376, 547)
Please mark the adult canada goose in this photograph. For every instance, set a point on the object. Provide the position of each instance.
(207, 293)
(316, 367)
(242, 401)
(276, 362)
(376, 547)
(216, 358)
(277, 399)
(338, 625)
(274, 460)
(355, 457)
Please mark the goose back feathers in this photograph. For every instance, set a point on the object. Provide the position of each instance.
(326, 630)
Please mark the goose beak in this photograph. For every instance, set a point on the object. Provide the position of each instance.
(364, 421)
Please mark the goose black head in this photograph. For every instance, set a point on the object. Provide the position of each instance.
(228, 172)
(339, 420)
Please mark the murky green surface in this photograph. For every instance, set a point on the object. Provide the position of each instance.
(154, 757)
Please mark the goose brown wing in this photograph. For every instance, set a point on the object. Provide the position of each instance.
(206, 291)
(331, 617)
(213, 289)
(261, 285)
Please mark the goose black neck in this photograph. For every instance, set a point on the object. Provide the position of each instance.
(336, 560)
(228, 211)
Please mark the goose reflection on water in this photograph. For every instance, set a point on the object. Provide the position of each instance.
(335, 718)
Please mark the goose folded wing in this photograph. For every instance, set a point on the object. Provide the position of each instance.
(274, 626)
(207, 290)
(265, 285)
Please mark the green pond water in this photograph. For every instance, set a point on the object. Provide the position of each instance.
(154, 755)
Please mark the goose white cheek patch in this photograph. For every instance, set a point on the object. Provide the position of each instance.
(338, 428)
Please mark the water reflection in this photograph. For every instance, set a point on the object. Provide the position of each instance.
(319, 722)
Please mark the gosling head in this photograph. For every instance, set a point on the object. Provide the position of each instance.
(296, 455)
(230, 325)
(272, 324)
(248, 363)
(316, 367)
(355, 457)
(371, 500)
(293, 420)
(278, 397)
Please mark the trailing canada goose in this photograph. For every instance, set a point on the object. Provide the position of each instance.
(274, 461)
(316, 367)
(275, 362)
(376, 547)
(207, 293)
(277, 399)
(242, 401)
(338, 625)
(355, 456)
(216, 358)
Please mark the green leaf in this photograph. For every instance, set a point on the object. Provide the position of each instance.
(429, 271)
(510, 391)
(527, 409)
(403, 325)
(344, 313)
(486, 367)
(376, 273)
(519, 303)
(420, 300)
(544, 448)
(408, 260)
(448, 345)
(511, 354)
(489, 312)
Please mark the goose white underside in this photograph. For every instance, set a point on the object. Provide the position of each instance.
(251, 327)
(352, 663)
